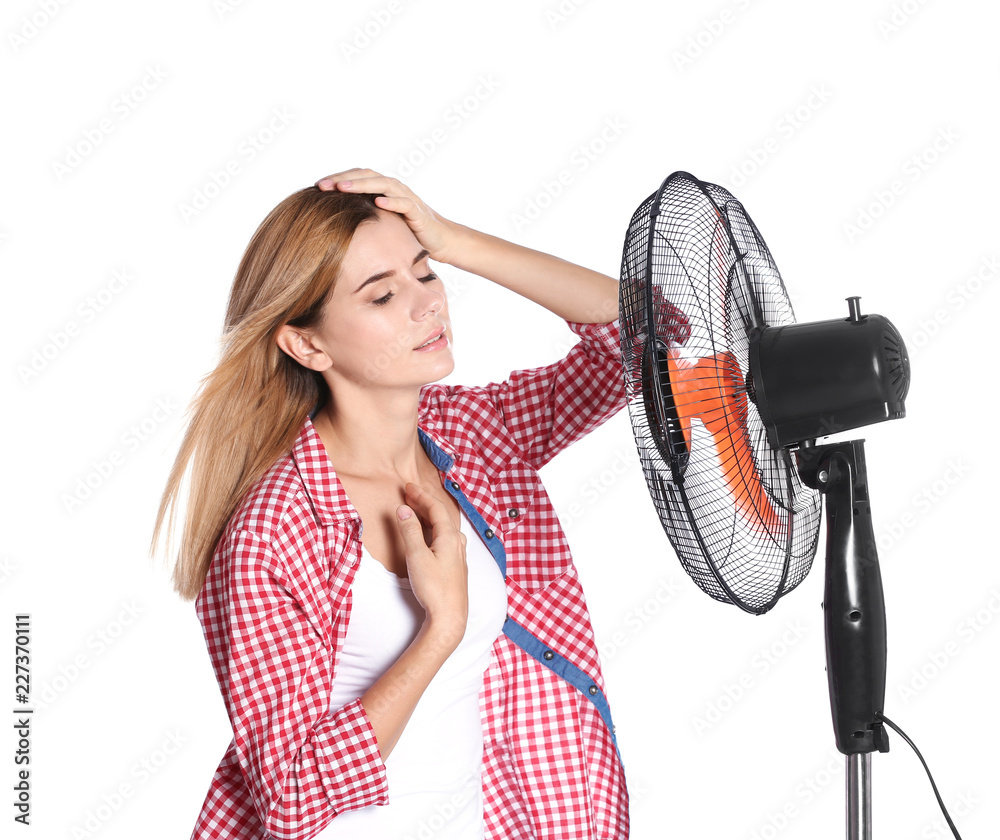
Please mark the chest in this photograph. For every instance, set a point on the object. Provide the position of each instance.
(376, 503)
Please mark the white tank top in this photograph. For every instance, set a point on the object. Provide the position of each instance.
(434, 771)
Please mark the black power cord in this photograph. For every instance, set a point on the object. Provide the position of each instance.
(881, 717)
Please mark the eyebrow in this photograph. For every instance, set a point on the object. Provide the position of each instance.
(382, 275)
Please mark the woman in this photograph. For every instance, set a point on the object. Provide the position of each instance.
(386, 593)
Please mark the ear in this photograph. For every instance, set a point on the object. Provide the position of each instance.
(298, 345)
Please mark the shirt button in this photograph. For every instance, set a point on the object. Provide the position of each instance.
(513, 513)
(548, 654)
(489, 533)
(454, 485)
(592, 689)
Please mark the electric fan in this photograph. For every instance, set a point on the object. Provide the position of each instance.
(728, 398)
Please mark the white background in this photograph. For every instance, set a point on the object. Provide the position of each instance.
(809, 112)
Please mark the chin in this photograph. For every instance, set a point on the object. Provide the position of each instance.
(441, 370)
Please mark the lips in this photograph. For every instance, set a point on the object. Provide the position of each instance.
(431, 338)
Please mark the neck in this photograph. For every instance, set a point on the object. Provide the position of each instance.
(373, 434)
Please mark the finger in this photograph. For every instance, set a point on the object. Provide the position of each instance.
(375, 183)
(398, 204)
(430, 508)
(346, 175)
(410, 529)
(327, 182)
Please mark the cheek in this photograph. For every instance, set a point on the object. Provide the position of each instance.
(357, 341)
(347, 332)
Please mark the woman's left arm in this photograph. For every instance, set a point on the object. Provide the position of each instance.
(570, 291)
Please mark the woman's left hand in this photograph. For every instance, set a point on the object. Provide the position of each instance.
(434, 232)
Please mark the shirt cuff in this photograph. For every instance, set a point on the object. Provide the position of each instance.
(355, 759)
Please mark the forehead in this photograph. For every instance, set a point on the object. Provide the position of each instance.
(379, 246)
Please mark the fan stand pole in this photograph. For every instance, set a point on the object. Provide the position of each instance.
(854, 618)
(859, 796)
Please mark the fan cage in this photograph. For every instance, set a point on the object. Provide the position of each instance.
(696, 281)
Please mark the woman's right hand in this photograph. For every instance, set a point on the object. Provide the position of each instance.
(436, 233)
(438, 572)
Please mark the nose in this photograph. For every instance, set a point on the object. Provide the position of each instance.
(429, 302)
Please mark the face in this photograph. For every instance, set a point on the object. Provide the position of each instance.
(386, 323)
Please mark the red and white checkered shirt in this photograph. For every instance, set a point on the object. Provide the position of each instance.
(277, 601)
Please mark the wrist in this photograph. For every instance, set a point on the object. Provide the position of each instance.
(441, 636)
(459, 244)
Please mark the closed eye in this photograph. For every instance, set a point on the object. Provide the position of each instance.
(382, 301)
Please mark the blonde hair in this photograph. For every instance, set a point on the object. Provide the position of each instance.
(250, 408)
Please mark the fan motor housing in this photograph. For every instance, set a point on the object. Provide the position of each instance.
(816, 379)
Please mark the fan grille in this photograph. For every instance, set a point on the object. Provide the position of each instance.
(697, 280)
(898, 365)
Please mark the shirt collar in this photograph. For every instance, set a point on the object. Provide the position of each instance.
(319, 479)
(441, 459)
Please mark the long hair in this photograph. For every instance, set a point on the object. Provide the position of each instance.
(250, 408)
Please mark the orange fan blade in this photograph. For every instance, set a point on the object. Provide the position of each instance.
(711, 389)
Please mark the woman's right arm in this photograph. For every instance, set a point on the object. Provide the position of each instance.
(303, 762)
(271, 648)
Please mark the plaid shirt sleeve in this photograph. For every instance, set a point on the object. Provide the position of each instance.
(302, 762)
(545, 409)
